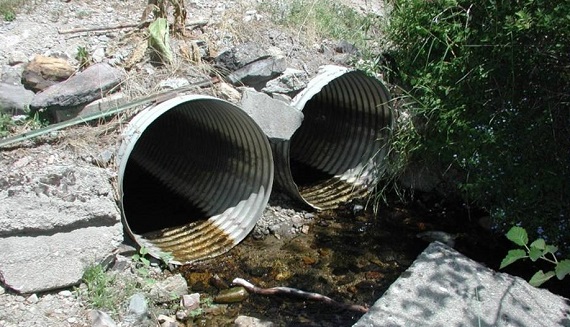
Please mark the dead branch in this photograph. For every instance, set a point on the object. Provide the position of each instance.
(298, 293)
(198, 23)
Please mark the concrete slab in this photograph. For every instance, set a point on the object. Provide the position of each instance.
(445, 288)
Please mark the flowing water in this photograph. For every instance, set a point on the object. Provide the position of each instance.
(350, 258)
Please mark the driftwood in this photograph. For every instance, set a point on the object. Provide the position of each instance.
(298, 293)
(198, 23)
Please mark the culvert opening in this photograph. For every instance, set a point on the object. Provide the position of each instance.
(195, 175)
(338, 151)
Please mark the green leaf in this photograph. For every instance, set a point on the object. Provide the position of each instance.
(518, 236)
(540, 277)
(145, 261)
(550, 249)
(512, 256)
(534, 254)
(539, 244)
(159, 39)
(562, 269)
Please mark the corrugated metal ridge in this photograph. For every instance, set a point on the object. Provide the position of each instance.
(345, 129)
(230, 180)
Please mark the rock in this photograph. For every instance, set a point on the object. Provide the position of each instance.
(190, 301)
(82, 88)
(181, 315)
(101, 319)
(231, 295)
(32, 298)
(98, 55)
(277, 120)
(110, 102)
(14, 99)
(444, 288)
(166, 321)
(291, 81)
(258, 72)
(52, 217)
(138, 306)
(243, 54)
(65, 293)
(13, 75)
(246, 321)
(17, 57)
(346, 47)
(171, 288)
(173, 83)
(43, 72)
(227, 92)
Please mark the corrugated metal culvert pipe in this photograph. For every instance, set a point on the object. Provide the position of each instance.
(195, 174)
(338, 151)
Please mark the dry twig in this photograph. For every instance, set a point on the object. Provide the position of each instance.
(298, 293)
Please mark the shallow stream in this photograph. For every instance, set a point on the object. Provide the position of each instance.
(351, 258)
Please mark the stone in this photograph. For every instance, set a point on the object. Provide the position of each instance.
(190, 301)
(226, 92)
(171, 288)
(98, 55)
(13, 75)
(33, 298)
(346, 47)
(17, 57)
(277, 119)
(82, 88)
(65, 293)
(101, 319)
(246, 321)
(15, 99)
(173, 83)
(290, 82)
(43, 72)
(258, 72)
(444, 288)
(243, 54)
(107, 103)
(54, 216)
(138, 306)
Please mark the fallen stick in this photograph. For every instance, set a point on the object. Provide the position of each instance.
(198, 23)
(298, 293)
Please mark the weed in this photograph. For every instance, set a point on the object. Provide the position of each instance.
(139, 257)
(323, 19)
(536, 250)
(9, 8)
(6, 125)
(82, 56)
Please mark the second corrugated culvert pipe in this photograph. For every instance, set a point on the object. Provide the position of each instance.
(195, 174)
(338, 151)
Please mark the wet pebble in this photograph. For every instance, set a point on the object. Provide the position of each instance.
(232, 295)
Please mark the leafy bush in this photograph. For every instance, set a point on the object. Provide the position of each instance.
(489, 82)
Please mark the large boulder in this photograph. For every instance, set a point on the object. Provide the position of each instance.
(55, 220)
(91, 84)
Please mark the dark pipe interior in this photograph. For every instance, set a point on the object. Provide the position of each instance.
(306, 176)
(150, 206)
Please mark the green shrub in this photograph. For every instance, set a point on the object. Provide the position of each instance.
(489, 82)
